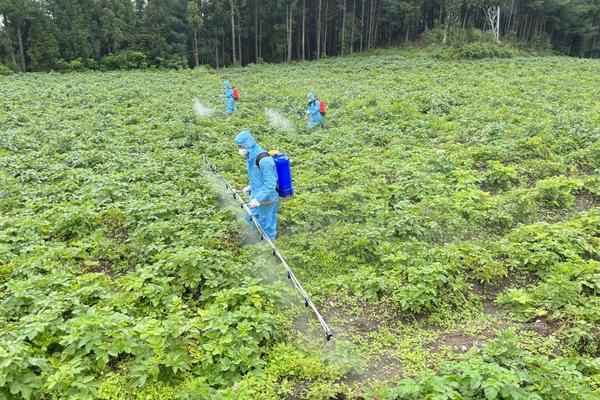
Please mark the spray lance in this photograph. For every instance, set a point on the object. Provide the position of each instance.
(291, 110)
(276, 252)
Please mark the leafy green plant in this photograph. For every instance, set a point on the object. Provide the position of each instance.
(501, 176)
(127, 59)
(475, 51)
(4, 70)
(504, 370)
(557, 191)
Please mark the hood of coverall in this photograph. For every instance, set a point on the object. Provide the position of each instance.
(245, 139)
(311, 96)
(227, 85)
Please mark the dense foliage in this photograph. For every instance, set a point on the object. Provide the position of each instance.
(453, 197)
(71, 35)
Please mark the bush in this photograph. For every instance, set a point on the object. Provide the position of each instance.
(501, 176)
(171, 63)
(558, 191)
(76, 65)
(4, 70)
(474, 51)
(125, 60)
(433, 36)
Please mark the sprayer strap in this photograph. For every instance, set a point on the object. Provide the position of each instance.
(260, 157)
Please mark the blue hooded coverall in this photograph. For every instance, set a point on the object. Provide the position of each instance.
(314, 111)
(263, 184)
(231, 107)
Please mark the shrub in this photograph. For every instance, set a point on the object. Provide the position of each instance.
(76, 65)
(125, 60)
(171, 63)
(500, 176)
(4, 70)
(557, 191)
(474, 51)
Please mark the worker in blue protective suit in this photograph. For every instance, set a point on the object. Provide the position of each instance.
(231, 107)
(313, 111)
(264, 199)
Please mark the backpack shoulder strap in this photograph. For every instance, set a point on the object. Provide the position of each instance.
(260, 157)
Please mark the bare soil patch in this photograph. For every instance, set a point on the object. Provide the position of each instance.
(383, 368)
(101, 265)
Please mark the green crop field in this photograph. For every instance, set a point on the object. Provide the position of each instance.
(446, 223)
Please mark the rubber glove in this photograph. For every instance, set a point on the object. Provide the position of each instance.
(253, 203)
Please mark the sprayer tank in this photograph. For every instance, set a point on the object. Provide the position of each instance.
(284, 174)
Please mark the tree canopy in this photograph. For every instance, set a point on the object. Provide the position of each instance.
(40, 35)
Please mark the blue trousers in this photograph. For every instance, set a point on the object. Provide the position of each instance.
(314, 120)
(231, 107)
(267, 218)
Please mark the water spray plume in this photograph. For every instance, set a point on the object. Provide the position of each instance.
(202, 110)
(278, 121)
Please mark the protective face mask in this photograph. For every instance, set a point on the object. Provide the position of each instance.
(243, 152)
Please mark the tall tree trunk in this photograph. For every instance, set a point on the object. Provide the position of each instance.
(325, 28)
(255, 31)
(362, 24)
(217, 55)
(196, 61)
(343, 27)
(233, 32)
(9, 41)
(298, 41)
(21, 49)
(510, 18)
(523, 28)
(289, 16)
(530, 26)
(531, 29)
(376, 28)
(352, 30)
(308, 48)
(370, 21)
(319, 31)
(374, 22)
(239, 41)
(407, 31)
(545, 24)
(223, 48)
(303, 29)
(260, 38)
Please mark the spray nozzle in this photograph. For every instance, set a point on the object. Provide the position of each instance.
(328, 336)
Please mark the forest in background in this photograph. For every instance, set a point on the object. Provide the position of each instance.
(43, 35)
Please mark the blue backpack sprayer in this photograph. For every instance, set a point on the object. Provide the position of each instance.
(285, 189)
